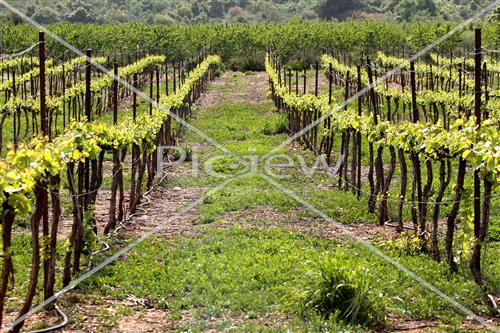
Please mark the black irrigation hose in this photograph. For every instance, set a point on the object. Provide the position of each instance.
(55, 327)
(389, 224)
(393, 225)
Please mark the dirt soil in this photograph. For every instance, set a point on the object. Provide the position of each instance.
(266, 217)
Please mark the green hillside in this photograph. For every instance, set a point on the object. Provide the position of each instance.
(185, 11)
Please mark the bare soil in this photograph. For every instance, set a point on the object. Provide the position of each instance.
(162, 210)
(266, 217)
(213, 97)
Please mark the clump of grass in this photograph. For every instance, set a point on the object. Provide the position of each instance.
(338, 291)
(186, 154)
(276, 125)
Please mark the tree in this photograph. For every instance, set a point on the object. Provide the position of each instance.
(339, 9)
(308, 15)
(234, 11)
(81, 15)
(410, 10)
(44, 15)
(216, 9)
(185, 11)
(195, 9)
(495, 15)
(31, 10)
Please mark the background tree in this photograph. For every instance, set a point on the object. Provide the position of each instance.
(409, 10)
(216, 9)
(339, 9)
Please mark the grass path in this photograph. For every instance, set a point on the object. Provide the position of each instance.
(241, 260)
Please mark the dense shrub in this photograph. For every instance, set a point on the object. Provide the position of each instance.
(337, 289)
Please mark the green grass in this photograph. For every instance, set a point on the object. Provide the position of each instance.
(259, 273)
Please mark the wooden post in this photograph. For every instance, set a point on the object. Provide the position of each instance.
(179, 78)
(330, 83)
(134, 97)
(88, 115)
(88, 77)
(373, 98)
(278, 71)
(151, 79)
(316, 80)
(417, 180)
(174, 78)
(358, 139)
(14, 115)
(415, 115)
(479, 230)
(345, 137)
(477, 76)
(284, 76)
(116, 160)
(166, 79)
(157, 85)
(486, 93)
(305, 80)
(115, 93)
(43, 106)
(135, 151)
(372, 92)
(296, 82)
(14, 87)
(63, 93)
(346, 91)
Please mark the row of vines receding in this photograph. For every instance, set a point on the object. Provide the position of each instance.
(61, 120)
(419, 139)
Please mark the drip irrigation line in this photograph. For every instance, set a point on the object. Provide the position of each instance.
(391, 224)
(55, 327)
(123, 223)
